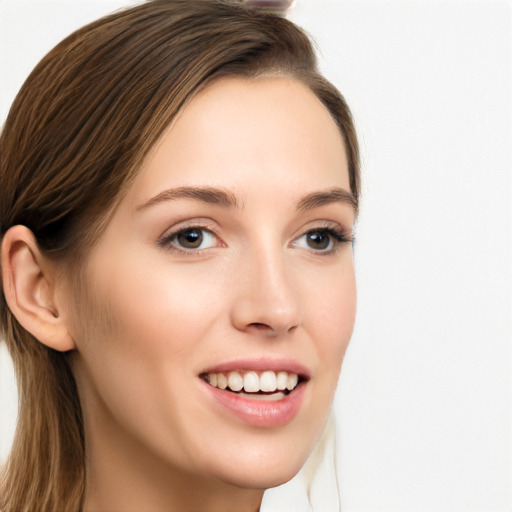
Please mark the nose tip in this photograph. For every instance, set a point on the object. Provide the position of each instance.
(266, 321)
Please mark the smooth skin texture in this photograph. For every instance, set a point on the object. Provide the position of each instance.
(159, 308)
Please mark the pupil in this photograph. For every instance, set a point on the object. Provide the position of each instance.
(191, 238)
(318, 240)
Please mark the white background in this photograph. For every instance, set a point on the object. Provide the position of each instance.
(425, 402)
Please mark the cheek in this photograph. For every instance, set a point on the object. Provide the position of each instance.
(333, 314)
(163, 317)
(139, 368)
(330, 326)
(159, 309)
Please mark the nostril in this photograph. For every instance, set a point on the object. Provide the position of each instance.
(264, 329)
(268, 329)
(260, 326)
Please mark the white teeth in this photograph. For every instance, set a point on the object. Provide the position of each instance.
(235, 381)
(282, 379)
(268, 381)
(274, 397)
(251, 382)
(292, 381)
(222, 381)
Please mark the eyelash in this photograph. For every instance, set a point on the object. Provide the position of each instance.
(337, 238)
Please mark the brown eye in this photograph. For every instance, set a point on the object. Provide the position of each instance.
(190, 238)
(318, 240)
(324, 241)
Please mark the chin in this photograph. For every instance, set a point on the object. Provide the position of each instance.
(263, 477)
(258, 467)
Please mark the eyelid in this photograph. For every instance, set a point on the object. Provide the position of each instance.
(323, 224)
(340, 235)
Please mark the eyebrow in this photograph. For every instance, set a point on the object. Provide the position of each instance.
(228, 199)
(333, 195)
(208, 195)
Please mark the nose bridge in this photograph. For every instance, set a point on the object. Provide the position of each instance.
(266, 300)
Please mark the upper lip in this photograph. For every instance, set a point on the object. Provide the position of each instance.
(289, 365)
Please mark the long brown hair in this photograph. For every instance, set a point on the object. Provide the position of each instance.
(74, 139)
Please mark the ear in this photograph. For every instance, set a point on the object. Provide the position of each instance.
(29, 281)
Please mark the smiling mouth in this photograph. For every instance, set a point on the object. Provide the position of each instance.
(258, 396)
(258, 385)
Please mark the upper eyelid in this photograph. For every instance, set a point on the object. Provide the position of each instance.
(190, 224)
(324, 224)
(332, 232)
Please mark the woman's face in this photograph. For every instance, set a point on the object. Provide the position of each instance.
(230, 258)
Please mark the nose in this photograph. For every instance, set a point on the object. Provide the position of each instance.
(266, 301)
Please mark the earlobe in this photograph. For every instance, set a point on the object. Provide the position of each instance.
(30, 289)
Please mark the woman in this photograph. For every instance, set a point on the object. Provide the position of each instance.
(178, 191)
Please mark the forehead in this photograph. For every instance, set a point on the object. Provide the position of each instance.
(239, 132)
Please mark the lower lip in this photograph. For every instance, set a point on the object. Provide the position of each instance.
(260, 413)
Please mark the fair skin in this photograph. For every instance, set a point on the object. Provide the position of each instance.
(263, 279)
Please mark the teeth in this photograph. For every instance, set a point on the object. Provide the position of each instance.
(222, 381)
(282, 379)
(292, 381)
(252, 382)
(235, 381)
(268, 381)
(274, 397)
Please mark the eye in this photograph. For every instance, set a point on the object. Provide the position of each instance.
(318, 240)
(189, 239)
(324, 240)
